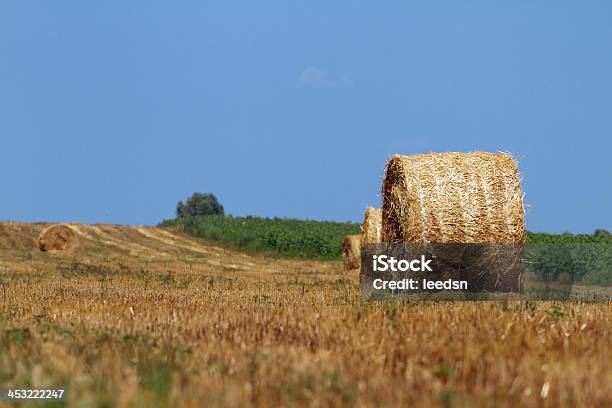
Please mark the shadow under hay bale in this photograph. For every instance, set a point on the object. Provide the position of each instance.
(56, 238)
(500, 267)
(372, 226)
(351, 252)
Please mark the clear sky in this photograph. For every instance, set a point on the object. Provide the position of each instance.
(112, 111)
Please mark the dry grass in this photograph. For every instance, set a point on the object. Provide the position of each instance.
(163, 324)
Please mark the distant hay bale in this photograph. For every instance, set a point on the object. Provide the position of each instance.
(452, 197)
(372, 226)
(56, 238)
(351, 252)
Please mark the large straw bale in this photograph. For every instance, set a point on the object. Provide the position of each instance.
(372, 226)
(351, 252)
(56, 238)
(452, 197)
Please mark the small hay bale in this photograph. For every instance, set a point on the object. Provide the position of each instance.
(372, 225)
(56, 238)
(351, 252)
(453, 197)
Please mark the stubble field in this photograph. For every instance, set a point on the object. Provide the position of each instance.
(152, 317)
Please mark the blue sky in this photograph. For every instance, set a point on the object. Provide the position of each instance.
(113, 111)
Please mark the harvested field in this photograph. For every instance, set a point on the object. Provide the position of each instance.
(140, 317)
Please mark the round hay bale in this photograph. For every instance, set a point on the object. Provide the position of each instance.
(351, 252)
(56, 238)
(372, 225)
(453, 197)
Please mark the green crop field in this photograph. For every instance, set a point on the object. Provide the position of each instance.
(280, 237)
(568, 238)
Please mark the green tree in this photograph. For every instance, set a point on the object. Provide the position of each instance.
(199, 204)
